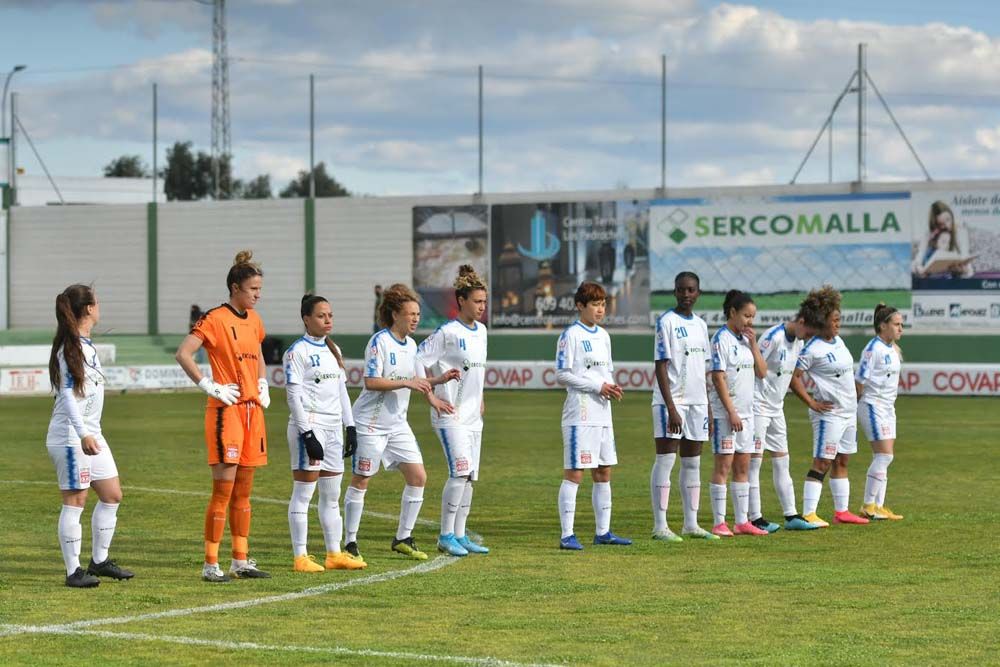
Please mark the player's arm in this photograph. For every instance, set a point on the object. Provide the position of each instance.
(798, 388)
(722, 390)
(227, 393)
(759, 364)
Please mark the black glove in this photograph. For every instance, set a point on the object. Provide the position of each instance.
(313, 448)
(351, 442)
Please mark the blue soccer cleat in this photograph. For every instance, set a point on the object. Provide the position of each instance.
(471, 546)
(449, 545)
(570, 543)
(798, 522)
(611, 538)
(764, 524)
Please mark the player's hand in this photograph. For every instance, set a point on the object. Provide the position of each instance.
(750, 335)
(821, 406)
(313, 448)
(89, 445)
(453, 374)
(263, 397)
(227, 393)
(610, 391)
(441, 406)
(735, 421)
(674, 422)
(351, 442)
(482, 408)
(418, 384)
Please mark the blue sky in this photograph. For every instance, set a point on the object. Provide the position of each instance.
(571, 88)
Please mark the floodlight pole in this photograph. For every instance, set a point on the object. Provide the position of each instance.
(154, 141)
(663, 124)
(862, 109)
(479, 192)
(312, 136)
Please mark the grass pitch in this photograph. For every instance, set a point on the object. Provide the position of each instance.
(925, 590)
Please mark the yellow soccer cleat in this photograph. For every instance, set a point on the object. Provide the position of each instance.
(870, 512)
(306, 563)
(812, 518)
(343, 561)
(409, 548)
(884, 512)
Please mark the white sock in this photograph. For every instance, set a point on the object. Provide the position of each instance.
(463, 510)
(102, 527)
(754, 482)
(451, 500)
(690, 479)
(718, 495)
(741, 501)
(409, 509)
(840, 489)
(354, 504)
(298, 515)
(567, 506)
(811, 492)
(783, 485)
(877, 476)
(600, 496)
(329, 512)
(70, 536)
(659, 489)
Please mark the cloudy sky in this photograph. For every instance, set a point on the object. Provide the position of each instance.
(571, 88)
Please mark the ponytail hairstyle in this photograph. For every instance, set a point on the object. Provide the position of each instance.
(467, 282)
(393, 299)
(883, 314)
(818, 305)
(71, 307)
(309, 302)
(242, 269)
(735, 300)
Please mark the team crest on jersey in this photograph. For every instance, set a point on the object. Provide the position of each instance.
(727, 444)
(364, 465)
(758, 445)
(586, 458)
(85, 476)
(462, 465)
(232, 452)
(830, 448)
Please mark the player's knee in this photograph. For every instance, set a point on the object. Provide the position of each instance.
(818, 475)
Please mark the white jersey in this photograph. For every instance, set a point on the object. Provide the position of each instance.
(731, 355)
(386, 357)
(879, 373)
(583, 365)
(455, 345)
(75, 416)
(317, 386)
(684, 342)
(780, 355)
(831, 367)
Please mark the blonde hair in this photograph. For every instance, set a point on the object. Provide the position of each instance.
(393, 300)
(467, 282)
(242, 269)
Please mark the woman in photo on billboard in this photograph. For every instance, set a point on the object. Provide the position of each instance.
(944, 235)
(680, 408)
(584, 367)
(877, 384)
(235, 434)
(319, 409)
(75, 443)
(832, 408)
(459, 346)
(736, 365)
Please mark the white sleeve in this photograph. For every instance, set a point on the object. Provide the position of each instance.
(431, 350)
(566, 378)
(866, 367)
(804, 362)
(374, 363)
(611, 361)
(69, 399)
(564, 351)
(719, 361)
(661, 349)
(347, 415)
(294, 375)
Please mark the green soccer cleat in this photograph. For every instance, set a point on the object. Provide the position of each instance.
(667, 535)
(408, 547)
(699, 533)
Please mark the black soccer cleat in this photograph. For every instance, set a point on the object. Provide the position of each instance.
(109, 568)
(81, 579)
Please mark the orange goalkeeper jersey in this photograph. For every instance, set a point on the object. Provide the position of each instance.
(233, 344)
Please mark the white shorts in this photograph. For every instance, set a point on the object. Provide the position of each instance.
(462, 447)
(833, 435)
(76, 470)
(727, 441)
(770, 433)
(588, 447)
(878, 422)
(694, 418)
(332, 440)
(387, 449)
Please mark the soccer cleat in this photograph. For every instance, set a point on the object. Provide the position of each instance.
(109, 569)
(471, 546)
(570, 543)
(82, 579)
(722, 530)
(848, 517)
(699, 532)
(306, 563)
(798, 522)
(814, 519)
(748, 529)
(352, 549)
(612, 539)
(449, 545)
(247, 570)
(884, 512)
(213, 574)
(343, 561)
(868, 511)
(764, 524)
(408, 547)
(667, 535)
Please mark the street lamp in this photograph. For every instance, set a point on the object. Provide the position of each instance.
(3, 104)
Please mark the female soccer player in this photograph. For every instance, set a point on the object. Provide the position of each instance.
(877, 383)
(76, 445)
(736, 360)
(780, 347)
(234, 422)
(319, 408)
(384, 436)
(832, 410)
(583, 366)
(680, 408)
(459, 345)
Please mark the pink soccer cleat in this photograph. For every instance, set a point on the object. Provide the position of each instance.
(748, 529)
(722, 530)
(848, 517)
